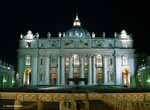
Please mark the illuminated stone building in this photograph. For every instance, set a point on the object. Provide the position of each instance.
(7, 75)
(76, 54)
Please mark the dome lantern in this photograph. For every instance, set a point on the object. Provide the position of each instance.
(77, 21)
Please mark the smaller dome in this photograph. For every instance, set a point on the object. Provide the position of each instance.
(29, 35)
(124, 34)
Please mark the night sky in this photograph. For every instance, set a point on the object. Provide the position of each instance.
(18, 17)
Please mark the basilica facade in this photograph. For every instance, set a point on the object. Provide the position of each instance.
(76, 55)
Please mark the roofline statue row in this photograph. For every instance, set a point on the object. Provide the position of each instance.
(30, 35)
(75, 32)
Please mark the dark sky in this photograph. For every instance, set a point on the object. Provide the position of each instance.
(96, 16)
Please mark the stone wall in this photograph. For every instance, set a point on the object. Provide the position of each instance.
(117, 101)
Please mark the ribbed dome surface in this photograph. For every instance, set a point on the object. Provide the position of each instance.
(77, 32)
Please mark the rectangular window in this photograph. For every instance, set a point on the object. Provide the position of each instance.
(28, 60)
(99, 60)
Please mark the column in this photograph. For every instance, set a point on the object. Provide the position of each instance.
(105, 70)
(58, 70)
(34, 70)
(17, 105)
(70, 70)
(82, 70)
(39, 105)
(47, 70)
(94, 71)
(89, 70)
(118, 70)
(114, 67)
(21, 61)
(50, 79)
(62, 71)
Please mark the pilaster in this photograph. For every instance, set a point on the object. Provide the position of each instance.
(34, 70)
(21, 64)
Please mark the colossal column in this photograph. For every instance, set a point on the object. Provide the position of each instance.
(105, 69)
(118, 70)
(47, 70)
(82, 69)
(58, 70)
(89, 70)
(62, 71)
(114, 67)
(70, 70)
(94, 71)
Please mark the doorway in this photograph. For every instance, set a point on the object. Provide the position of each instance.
(125, 76)
(27, 77)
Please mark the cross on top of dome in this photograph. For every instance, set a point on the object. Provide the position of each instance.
(77, 22)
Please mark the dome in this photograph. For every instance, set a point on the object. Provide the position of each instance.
(77, 31)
